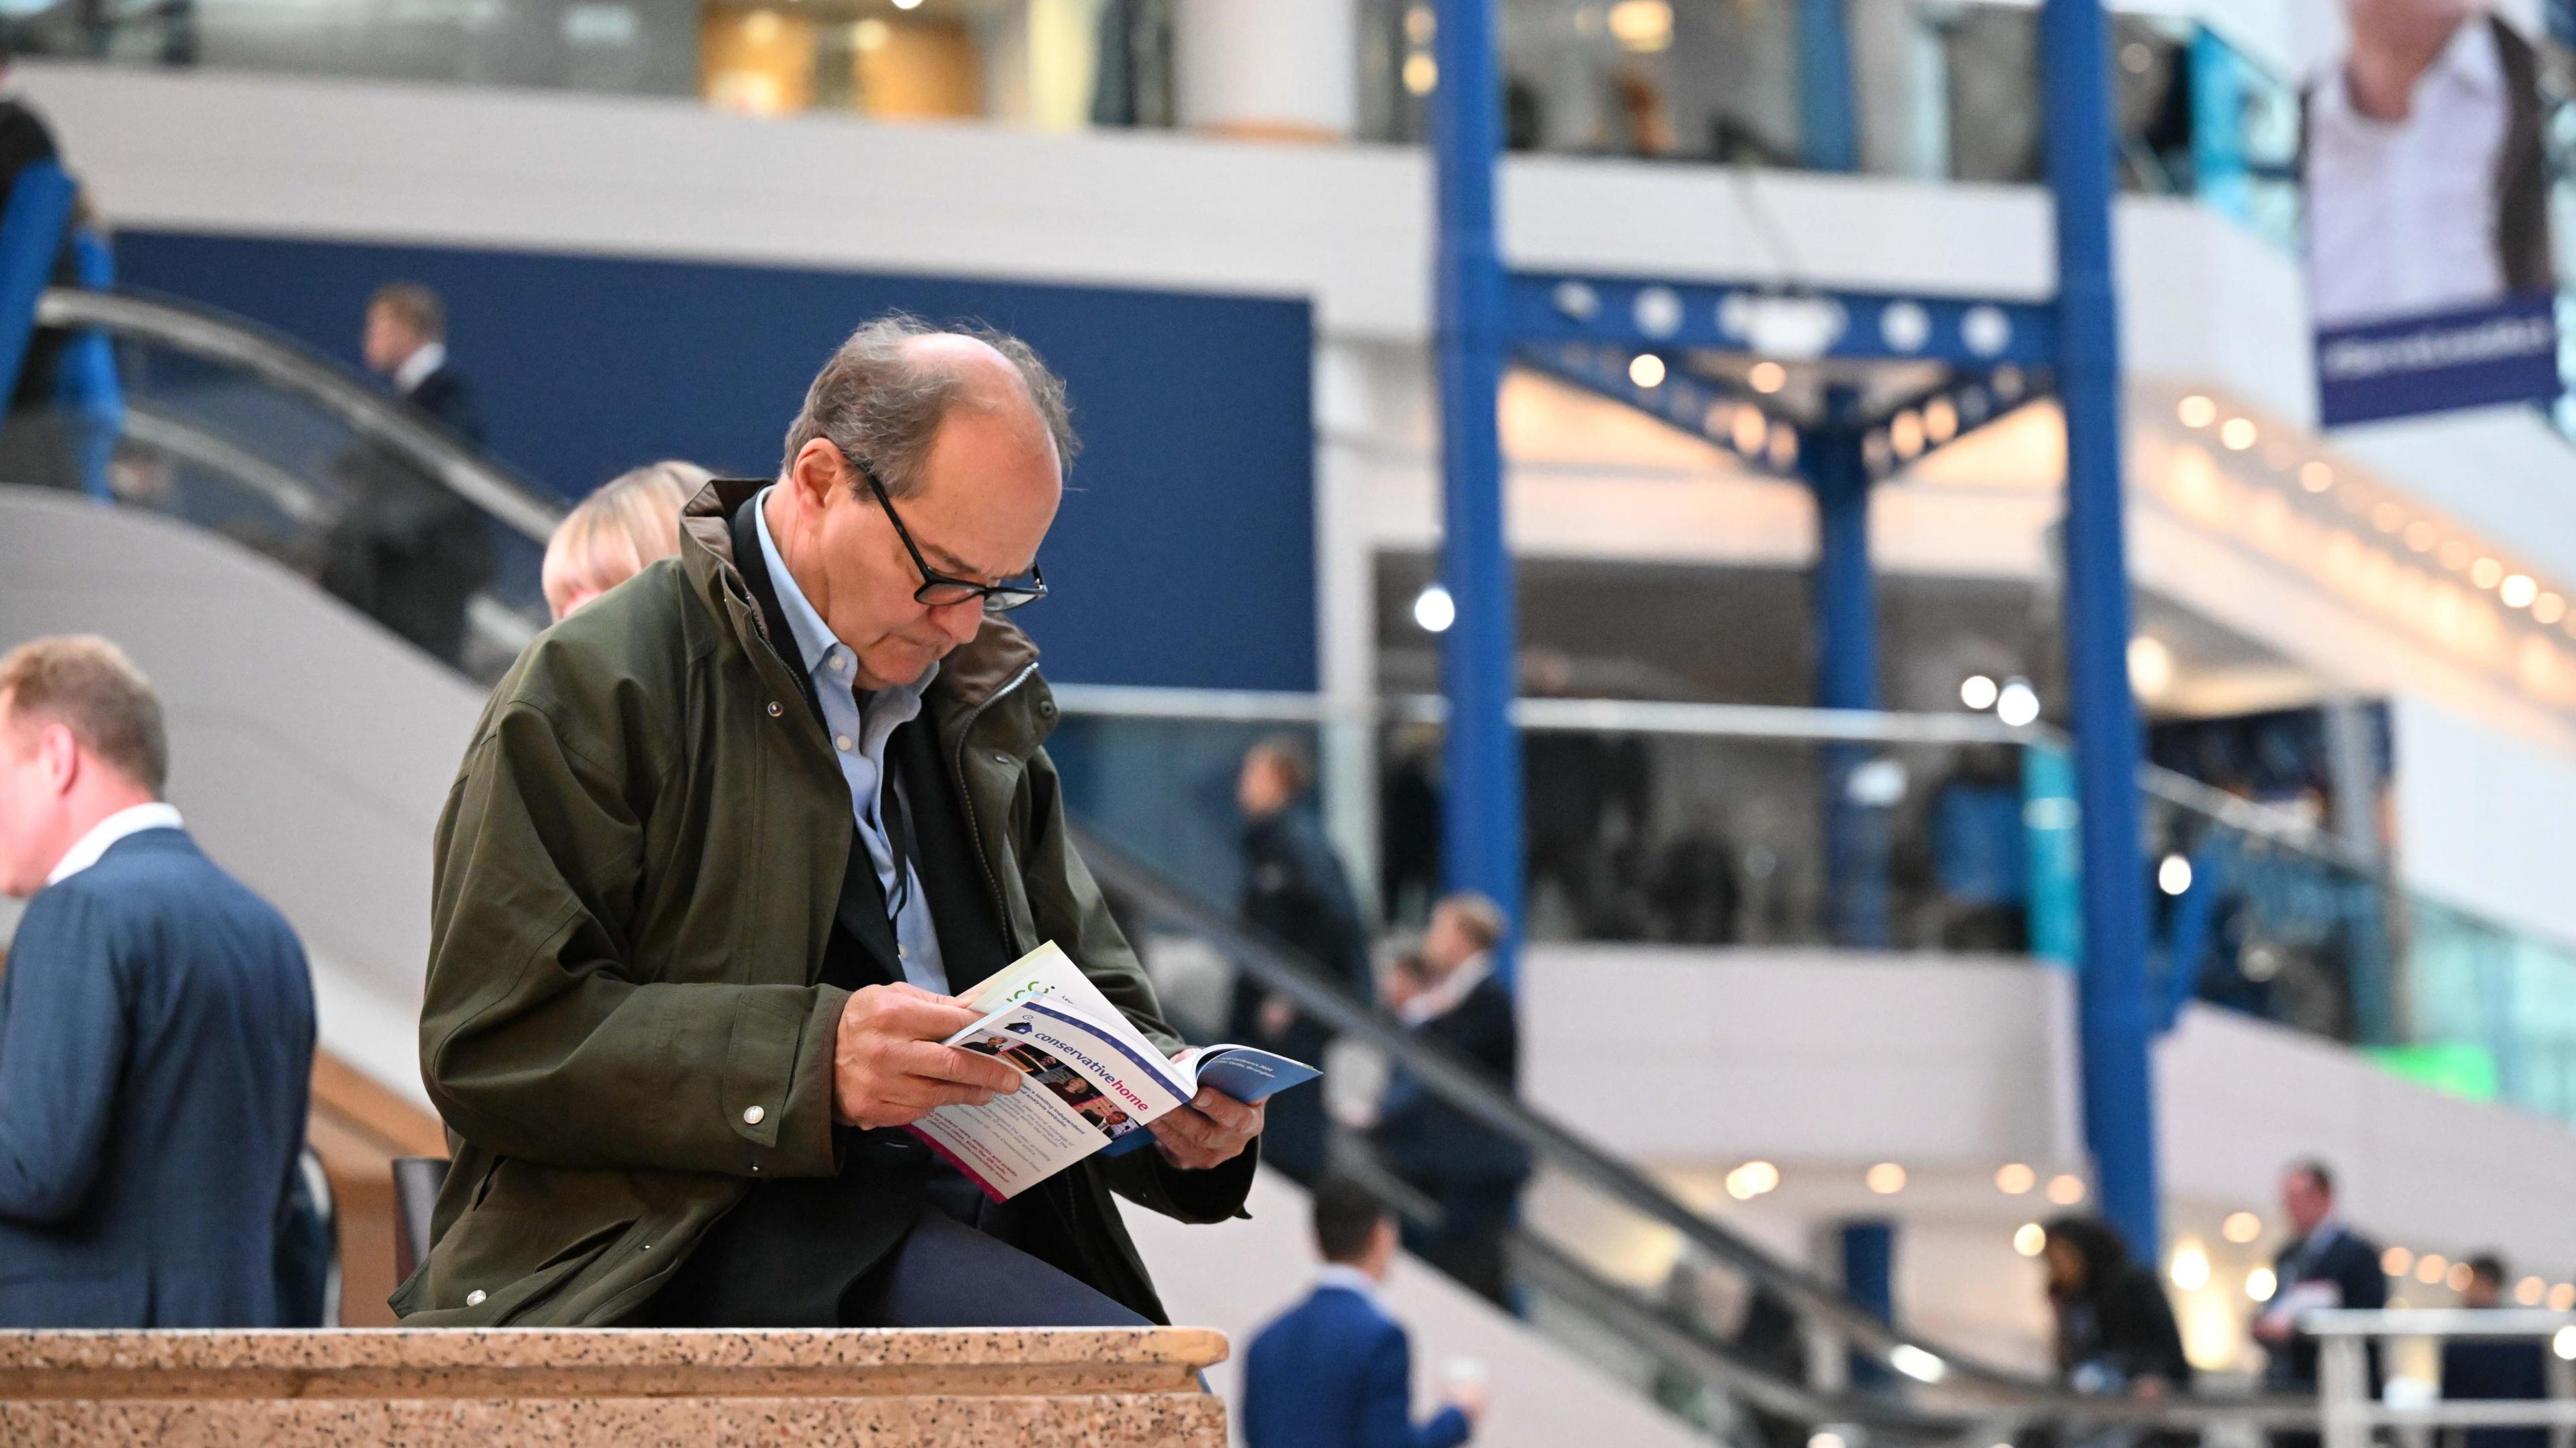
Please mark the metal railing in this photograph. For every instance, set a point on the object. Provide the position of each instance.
(2350, 1413)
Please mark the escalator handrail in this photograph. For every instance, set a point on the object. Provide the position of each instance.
(291, 366)
(1279, 969)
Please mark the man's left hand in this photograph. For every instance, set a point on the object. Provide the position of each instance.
(1211, 1131)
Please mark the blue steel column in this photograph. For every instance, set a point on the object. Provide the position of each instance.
(1828, 132)
(1846, 616)
(2114, 1015)
(1481, 801)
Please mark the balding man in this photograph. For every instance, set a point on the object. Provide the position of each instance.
(727, 846)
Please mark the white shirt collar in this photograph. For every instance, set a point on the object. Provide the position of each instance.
(2469, 59)
(814, 638)
(1443, 998)
(419, 366)
(134, 819)
(1348, 1278)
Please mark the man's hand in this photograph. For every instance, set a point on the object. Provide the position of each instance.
(889, 1068)
(1210, 1131)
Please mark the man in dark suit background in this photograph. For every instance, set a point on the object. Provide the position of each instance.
(1472, 1171)
(2326, 1265)
(2493, 1369)
(410, 552)
(1294, 888)
(1336, 1371)
(156, 1025)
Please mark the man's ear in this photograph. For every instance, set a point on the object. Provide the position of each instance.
(817, 471)
(60, 751)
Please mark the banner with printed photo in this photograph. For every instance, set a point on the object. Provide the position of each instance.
(2425, 166)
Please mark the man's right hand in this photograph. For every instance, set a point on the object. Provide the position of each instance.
(889, 1068)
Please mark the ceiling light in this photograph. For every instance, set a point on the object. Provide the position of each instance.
(907, 4)
(1751, 431)
(2316, 477)
(2486, 573)
(1940, 420)
(2241, 1227)
(1434, 609)
(1905, 434)
(2459, 1277)
(2395, 1261)
(1978, 693)
(2562, 1298)
(1646, 370)
(2015, 1178)
(1886, 1179)
(2549, 608)
(2529, 1291)
(2197, 411)
(2017, 704)
(2430, 1267)
(2190, 1267)
(1917, 1364)
(2564, 1343)
(1751, 1180)
(1421, 73)
(2066, 1190)
(1767, 377)
(1644, 26)
(2238, 434)
(1420, 24)
(2151, 666)
(2030, 1239)
(2261, 1283)
(2388, 517)
(2173, 875)
(2518, 591)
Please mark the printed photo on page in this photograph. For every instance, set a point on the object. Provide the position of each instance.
(1085, 1088)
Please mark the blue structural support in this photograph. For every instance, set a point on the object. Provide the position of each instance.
(1481, 802)
(31, 237)
(1846, 615)
(2115, 1016)
(1828, 128)
(1869, 1280)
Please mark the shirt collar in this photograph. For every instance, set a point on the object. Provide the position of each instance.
(2470, 59)
(815, 640)
(1443, 998)
(419, 367)
(1348, 1278)
(134, 819)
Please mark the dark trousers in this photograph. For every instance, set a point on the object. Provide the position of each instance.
(1468, 1243)
(947, 1274)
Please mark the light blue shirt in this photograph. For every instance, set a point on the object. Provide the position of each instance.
(859, 737)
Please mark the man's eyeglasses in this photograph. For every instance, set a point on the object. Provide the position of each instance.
(938, 590)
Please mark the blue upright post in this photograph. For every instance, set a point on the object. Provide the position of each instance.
(1869, 1280)
(2115, 1016)
(31, 237)
(1481, 803)
(1846, 613)
(1828, 133)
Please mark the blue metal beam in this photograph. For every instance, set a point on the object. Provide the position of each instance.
(1642, 313)
(1479, 671)
(1696, 405)
(1828, 133)
(2115, 1016)
(31, 237)
(1846, 614)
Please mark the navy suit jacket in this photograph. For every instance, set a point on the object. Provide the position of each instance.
(1335, 1372)
(156, 1045)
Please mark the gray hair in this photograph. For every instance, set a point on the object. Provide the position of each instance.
(882, 406)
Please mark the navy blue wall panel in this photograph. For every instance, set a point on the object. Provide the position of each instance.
(1184, 554)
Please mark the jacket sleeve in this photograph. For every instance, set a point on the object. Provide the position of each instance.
(542, 1039)
(1386, 1406)
(62, 1051)
(1068, 908)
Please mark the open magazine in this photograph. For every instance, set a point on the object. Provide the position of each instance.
(1095, 1083)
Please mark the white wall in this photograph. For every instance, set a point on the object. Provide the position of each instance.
(2485, 819)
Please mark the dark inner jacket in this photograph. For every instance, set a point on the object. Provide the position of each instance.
(644, 891)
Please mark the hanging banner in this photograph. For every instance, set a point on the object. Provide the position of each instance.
(2426, 173)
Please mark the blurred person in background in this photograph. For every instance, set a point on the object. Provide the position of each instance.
(156, 1025)
(1473, 1172)
(631, 520)
(410, 552)
(1336, 1371)
(2326, 1265)
(1294, 888)
(2115, 1330)
(2493, 1369)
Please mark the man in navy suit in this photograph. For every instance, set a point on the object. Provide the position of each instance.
(156, 1025)
(410, 552)
(1335, 1371)
(2326, 1265)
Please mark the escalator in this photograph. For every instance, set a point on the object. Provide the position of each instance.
(235, 431)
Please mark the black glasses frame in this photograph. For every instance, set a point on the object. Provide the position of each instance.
(941, 590)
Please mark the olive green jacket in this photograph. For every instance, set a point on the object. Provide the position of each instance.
(636, 873)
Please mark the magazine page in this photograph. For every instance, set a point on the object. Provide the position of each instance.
(1243, 1072)
(1046, 972)
(1089, 1083)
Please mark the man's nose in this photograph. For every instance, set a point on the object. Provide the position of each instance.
(961, 621)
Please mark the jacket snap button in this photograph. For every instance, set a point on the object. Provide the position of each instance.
(1002, 759)
(773, 709)
(474, 1298)
(751, 1115)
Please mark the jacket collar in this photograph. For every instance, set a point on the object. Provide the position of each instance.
(969, 678)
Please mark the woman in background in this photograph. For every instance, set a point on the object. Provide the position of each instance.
(633, 519)
(2115, 1330)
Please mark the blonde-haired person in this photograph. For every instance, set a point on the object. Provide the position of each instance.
(608, 537)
